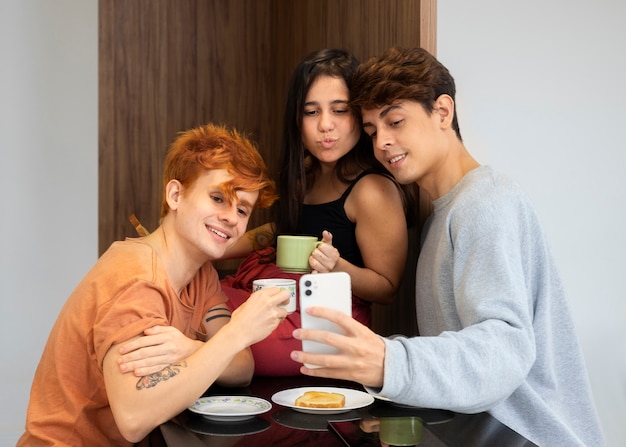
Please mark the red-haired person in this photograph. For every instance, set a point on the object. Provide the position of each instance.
(213, 179)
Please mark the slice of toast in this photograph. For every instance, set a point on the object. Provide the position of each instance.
(321, 399)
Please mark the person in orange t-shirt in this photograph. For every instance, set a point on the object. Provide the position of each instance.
(165, 283)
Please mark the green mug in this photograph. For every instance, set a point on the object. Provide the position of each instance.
(401, 431)
(292, 252)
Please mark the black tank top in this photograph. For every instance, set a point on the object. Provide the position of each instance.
(332, 216)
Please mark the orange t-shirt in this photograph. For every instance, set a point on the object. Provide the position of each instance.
(126, 292)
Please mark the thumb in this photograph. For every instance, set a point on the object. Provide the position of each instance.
(153, 330)
(327, 237)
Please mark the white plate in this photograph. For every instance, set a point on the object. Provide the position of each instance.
(230, 408)
(202, 425)
(354, 399)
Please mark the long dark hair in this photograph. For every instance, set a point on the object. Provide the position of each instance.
(296, 162)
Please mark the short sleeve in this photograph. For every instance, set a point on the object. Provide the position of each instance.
(140, 306)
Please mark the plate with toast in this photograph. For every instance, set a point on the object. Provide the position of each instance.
(322, 400)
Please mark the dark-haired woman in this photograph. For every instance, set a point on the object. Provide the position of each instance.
(332, 187)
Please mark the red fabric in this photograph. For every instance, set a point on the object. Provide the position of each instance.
(272, 355)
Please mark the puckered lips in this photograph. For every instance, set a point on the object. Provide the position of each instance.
(328, 143)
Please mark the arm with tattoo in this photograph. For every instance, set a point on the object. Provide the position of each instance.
(166, 373)
(256, 239)
(260, 238)
(141, 404)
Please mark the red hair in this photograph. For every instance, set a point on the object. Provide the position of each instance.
(217, 147)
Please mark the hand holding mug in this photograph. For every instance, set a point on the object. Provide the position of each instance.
(261, 313)
(283, 284)
(325, 257)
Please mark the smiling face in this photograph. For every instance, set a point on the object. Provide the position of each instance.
(405, 139)
(205, 222)
(419, 146)
(329, 128)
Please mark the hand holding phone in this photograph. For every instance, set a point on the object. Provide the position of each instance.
(332, 290)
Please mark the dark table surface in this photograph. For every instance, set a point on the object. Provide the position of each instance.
(284, 427)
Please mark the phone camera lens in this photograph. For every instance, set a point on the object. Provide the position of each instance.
(308, 292)
(307, 283)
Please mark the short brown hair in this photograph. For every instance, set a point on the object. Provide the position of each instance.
(412, 74)
(217, 147)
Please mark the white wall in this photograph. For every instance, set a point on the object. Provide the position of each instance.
(48, 179)
(542, 96)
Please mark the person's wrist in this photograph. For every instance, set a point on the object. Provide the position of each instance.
(230, 335)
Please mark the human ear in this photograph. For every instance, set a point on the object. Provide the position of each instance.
(444, 108)
(173, 191)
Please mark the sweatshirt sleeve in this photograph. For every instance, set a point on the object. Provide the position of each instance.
(482, 346)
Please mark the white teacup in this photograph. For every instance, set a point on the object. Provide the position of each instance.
(284, 284)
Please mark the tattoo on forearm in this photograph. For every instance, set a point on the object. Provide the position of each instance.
(217, 309)
(260, 239)
(166, 373)
(207, 319)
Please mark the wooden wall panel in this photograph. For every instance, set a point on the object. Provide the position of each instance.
(166, 66)
(234, 77)
(148, 92)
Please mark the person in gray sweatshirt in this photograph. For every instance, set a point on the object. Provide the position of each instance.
(496, 333)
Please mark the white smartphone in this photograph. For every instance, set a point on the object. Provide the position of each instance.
(331, 289)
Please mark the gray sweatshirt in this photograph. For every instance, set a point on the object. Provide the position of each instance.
(495, 330)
